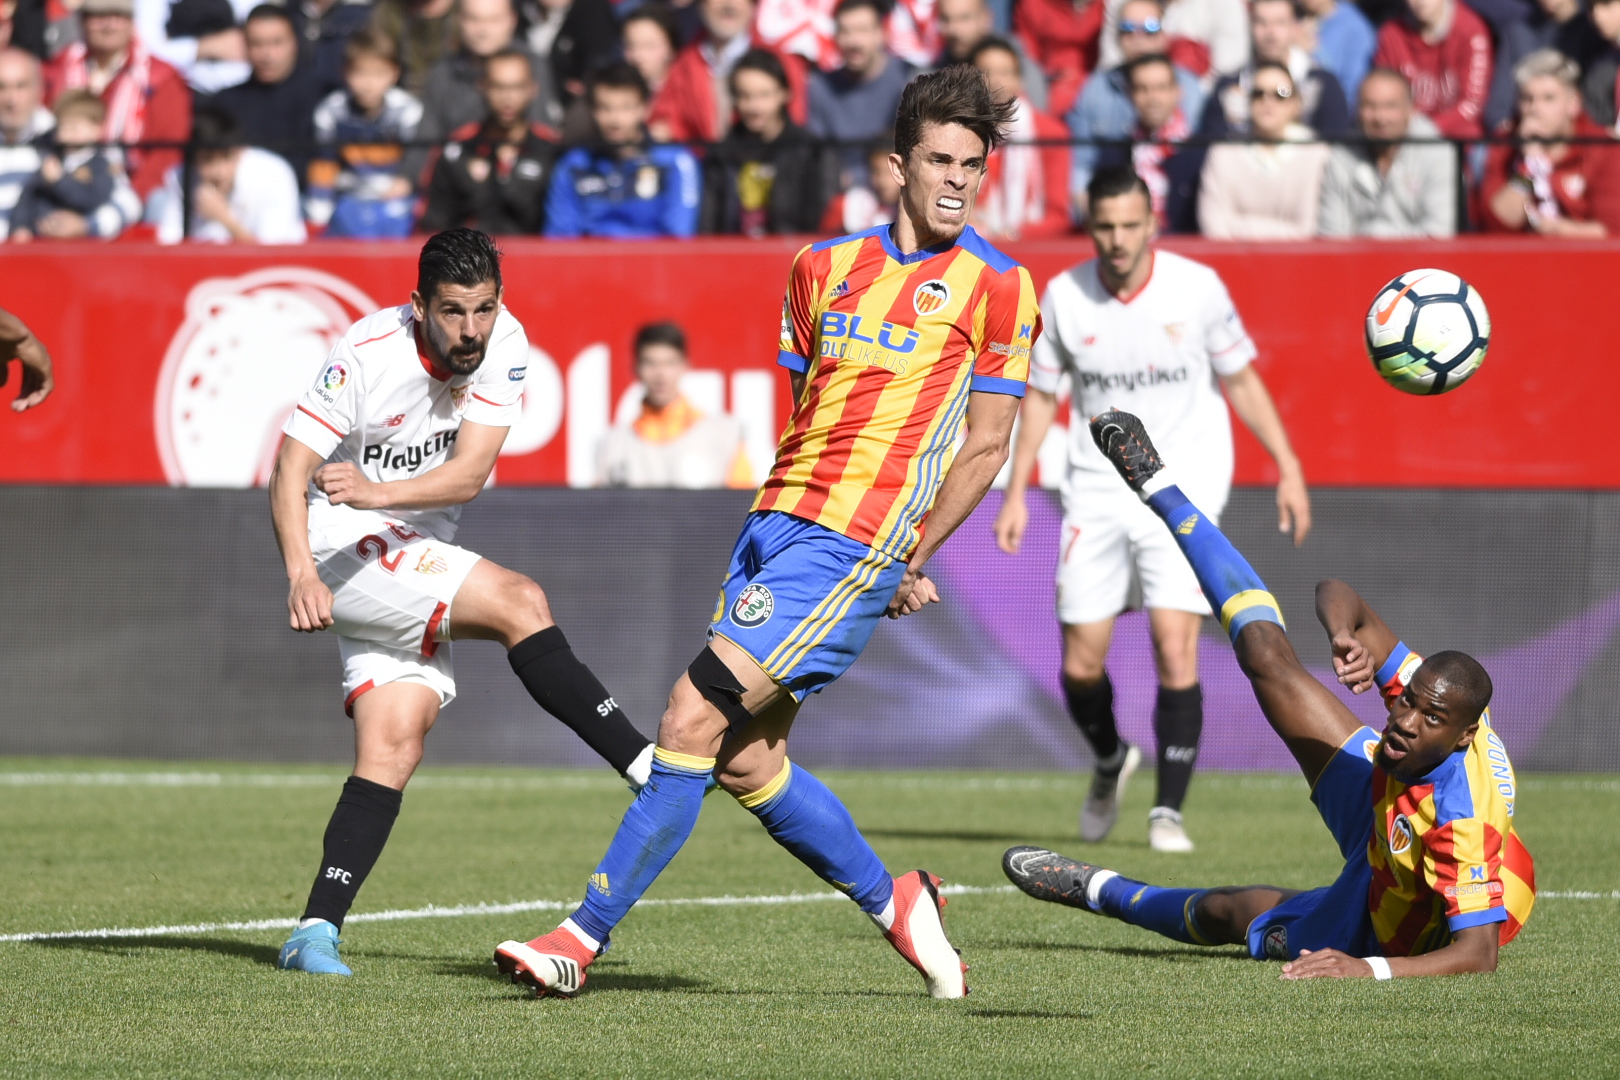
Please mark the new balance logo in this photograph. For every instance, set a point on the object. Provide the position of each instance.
(1186, 527)
(599, 882)
(392, 421)
(337, 873)
(607, 707)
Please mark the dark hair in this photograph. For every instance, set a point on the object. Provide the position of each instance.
(660, 16)
(1390, 73)
(763, 61)
(1112, 181)
(464, 257)
(619, 75)
(368, 42)
(660, 333)
(993, 44)
(877, 7)
(212, 128)
(1131, 67)
(271, 11)
(1272, 65)
(1462, 673)
(952, 95)
(510, 52)
(1292, 4)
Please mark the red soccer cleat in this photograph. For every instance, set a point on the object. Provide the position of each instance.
(918, 934)
(551, 966)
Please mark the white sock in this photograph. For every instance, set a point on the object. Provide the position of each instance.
(1094, 889)
(584, 939)
(1156, 483)
(305, 924)
(640, 770)
(885, 918)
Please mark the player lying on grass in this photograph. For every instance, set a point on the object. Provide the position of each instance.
(1435, 879)
(893, 336)
(402, 426)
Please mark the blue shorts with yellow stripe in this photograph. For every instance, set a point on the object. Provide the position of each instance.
(802, 600)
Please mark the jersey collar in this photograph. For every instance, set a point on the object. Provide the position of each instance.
(886, 235)
(421, 354)
(1126, 298)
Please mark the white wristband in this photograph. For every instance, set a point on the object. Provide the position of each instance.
(1380, 967)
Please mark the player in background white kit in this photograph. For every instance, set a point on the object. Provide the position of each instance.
(1154, 334)
(402, 426)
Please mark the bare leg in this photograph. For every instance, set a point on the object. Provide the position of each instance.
(390, 726)
(1085, 648)
(1313, 722)
(497, 604)
(1175, 646)
(1224, 914)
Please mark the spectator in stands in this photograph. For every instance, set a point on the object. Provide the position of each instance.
(965, 23)
(1025, 192)
(453, 96)
(1270, 189)
(424, 30)
(323, 28)
(766, 175)
(494, 174)
(276, 105)
(623, 187)
(80, 189)
(671, 444)
(25, 127)
(198, 38)
(695, 102)
(1547, 184)
(1444, 51)
(146, 99)
(1170, 170)
(1602, 77)
(1103, 112)
(870, 204)
(241, 194)
(1064, 36)
(575, 37)
(649, 43)
(856, 103)
(1210, 38)
(1386, 186)
(1344, 41)
(1554, 24)
(802, 28)
(363, 180)
(911, 31)
(1276, 29)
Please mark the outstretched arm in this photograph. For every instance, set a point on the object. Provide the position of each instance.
(18, 342)
(457, 481)
(1249, 398)
(1361, 640)
(1471, 949)
(1038, 410)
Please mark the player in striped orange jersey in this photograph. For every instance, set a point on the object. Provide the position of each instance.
(894, 338)
(1435, 878)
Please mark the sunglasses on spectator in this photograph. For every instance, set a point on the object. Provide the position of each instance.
(1146, 26)
(1281, 93)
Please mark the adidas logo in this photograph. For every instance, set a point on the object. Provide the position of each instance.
(1186, 527)
(565, 974)
(840, 289)
(599, 882)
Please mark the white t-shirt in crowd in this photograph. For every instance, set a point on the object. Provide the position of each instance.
(1157, 355)
(264, 199)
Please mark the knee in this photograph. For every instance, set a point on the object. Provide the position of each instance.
(1082, 671)
(529, 602)
(690, 725)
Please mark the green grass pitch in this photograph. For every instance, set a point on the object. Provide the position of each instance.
(793, 989)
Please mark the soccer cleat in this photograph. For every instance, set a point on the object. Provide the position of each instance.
(1165, 831)
(1101, 807)
(313, 949)
(1046, 875)
(918, 934)
(551, 966)
(1125, 443)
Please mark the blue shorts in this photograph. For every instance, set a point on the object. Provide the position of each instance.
(1334, 917)
(802, 600)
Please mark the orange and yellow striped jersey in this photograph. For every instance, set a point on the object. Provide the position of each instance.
(1443, 851)
(891, 347)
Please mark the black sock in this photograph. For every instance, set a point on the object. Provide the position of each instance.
(1178, 721)
(1093, 710)
(354, 839)
(566, 689)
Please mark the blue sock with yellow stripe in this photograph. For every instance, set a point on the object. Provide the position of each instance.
(653, 830)
(1164, 911)
(1230, 584)
(804, 816)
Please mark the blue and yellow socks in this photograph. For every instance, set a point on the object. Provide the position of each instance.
(1169, 912)
(1230, 584)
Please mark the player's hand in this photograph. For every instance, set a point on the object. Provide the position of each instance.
(1011, 521)
(309, 603)
(1352, 663)
(212, 203)
(916, 592)
(1326, 964)
(37, 378)
(345, 485)
(1294, 507)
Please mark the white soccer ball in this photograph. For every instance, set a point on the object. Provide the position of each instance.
(1427, 332)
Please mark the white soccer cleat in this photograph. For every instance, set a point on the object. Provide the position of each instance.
(918, 934)
(1101, 808)
(1166, 833)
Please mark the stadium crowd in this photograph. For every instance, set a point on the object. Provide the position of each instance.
(1250, 119)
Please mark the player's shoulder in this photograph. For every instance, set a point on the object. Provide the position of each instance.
(994, 259)
(375, 332)
(508, 331)
(1184, 271)
(848, 238)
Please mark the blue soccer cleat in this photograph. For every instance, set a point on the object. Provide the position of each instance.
(313, 949)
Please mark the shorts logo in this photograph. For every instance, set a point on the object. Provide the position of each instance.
(1276, 943)
(931, 296)
(753, 607)
(335, 377)
(1400, 834)
(430, 563)
(516, 374)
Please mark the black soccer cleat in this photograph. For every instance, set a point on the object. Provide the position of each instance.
(1046, 875)
(1125, 443)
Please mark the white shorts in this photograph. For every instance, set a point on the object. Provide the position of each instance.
(1117, 555)
(391, 596)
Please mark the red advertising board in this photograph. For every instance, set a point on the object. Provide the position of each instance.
(178, 365)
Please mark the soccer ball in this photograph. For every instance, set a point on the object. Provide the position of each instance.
(1427, 332)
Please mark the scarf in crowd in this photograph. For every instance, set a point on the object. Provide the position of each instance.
(1538, 169)
(1017, 197)
(1148, 158)
(125, 94)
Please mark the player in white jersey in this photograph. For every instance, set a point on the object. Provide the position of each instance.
(402, 426)
(1155, 334)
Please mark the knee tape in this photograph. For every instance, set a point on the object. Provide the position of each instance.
(720, 687)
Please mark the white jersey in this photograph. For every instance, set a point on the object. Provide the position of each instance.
(379, 403)
(1157, 355)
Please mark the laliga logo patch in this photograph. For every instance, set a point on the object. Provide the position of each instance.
(335, 377)
(753, 607)
(1276, 943)
(930, 297)
(1400, 834)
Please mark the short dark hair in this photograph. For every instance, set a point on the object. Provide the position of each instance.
(1389, 73)
(373, 43)
(1112, 181)
(619, 75)
(956, 94)
(1272, 65)
(212, 128)
(271, 11)
(660, 333)
(464, 257)
(659, 15)
(763, 61)
(993, 44)
(509, 52)
(878, 8)
(1292, 4)
(1131, 67)
(1465, 675)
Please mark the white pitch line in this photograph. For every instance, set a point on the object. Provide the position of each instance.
(433, 911)
(295, 780)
